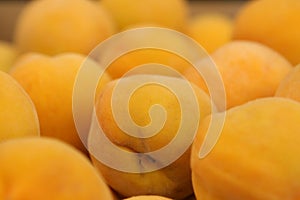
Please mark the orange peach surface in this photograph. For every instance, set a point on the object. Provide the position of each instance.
(290, 85)
(58, 26)
(210, 30)
(49, 82)
(147, 197)
(43, 168)
(274, 23)
(249, 71)
(172, 179)
(129, 61)
(8, 55)
(18, 116)
(167, 13)
(256, 156)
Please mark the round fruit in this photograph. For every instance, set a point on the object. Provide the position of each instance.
(49, 82)
(8, 55)
(167, 13)
(57, 26)
(18, 116)
(290, 85)
(256, 156)
(249, 71)
(147, 197)
(274, 23)
(43, 168)
(170, 179)
(211, 31)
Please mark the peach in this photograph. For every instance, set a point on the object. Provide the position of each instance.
(210, 30)
(44, 168)
(149, 45)
(141, 25)
(147, 197)
(129, 61)
(168, 13)
(146, 173)
(273, 23)
(18, 117)
(289, 86)
(49, 82)
(58, 26)
(8, 55)
(249, 71)
(256, 156)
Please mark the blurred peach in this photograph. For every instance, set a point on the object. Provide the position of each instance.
(57, 26)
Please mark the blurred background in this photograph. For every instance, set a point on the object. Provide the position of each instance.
(10, 9)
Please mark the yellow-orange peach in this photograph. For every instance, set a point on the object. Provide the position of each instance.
(147, 197)
(58, 26)
(289, 86)
(274, 23)
(168, 13)
(8, 55)
(249, 71)
(133, 59)
(44, 168)
(49, 82)
(256, 156)
(211, 31)
(173, 180)
(18, 116)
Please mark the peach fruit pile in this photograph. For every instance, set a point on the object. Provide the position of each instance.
(256, 53)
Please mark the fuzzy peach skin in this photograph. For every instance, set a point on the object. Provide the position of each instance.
(172, 181)
(57, 26)
(274, 23)
(147, 197)
(210, 30)
(129, 61)
(44, 168)
(169, 48)
(249, 70)
(18, 116)
(49, 82)
(168, 13)
(256, 156)
(290, 85)
(8, 55)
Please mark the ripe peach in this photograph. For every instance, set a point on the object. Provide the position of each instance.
(289, 86)
(8, 55)
(58, 26)
(249, 71)
(168, 13)
(149, 45)
(18, 117)
(129, 61)
(147, 197)
(49, 82)
(273, 23)
(141, 25)
(256, 156)
(44, 168)
(170, 180)
(211, 31)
